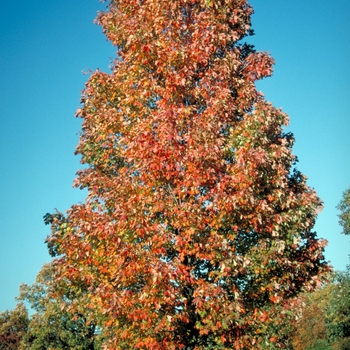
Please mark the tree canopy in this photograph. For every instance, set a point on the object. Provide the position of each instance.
(344, 215)
(51, 324)
(325, 320)
(197, 229)
(13, 327)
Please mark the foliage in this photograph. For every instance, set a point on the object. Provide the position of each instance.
(320, 344)
(197, 228)
(51, 326)
(344, 216)
(13, 326)
(338, 312)
(338, 318)
(325, 321)
(310, 331)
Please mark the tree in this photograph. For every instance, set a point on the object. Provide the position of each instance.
(51, 325)
(325, 321)
(338, 312)
(13, 326)
(310, 331)
(338, 320)
(344, 216)
(325, 317)
(197, 226)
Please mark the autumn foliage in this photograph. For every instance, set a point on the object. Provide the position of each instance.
(13, 327)
(196, 227)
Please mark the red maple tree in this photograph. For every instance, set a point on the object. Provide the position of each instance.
(196, 225)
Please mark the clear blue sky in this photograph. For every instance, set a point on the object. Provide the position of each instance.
(45, 46)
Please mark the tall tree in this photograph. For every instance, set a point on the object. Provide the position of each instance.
(196, 227)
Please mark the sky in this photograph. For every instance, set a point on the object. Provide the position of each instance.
(45, 48)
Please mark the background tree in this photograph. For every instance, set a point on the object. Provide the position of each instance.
(51, 325)
(13, 327)
(310, 331)
(325, 317)
(325, 321)
(338, 320)
(344, 216)
(338, 312)
(197, 228)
